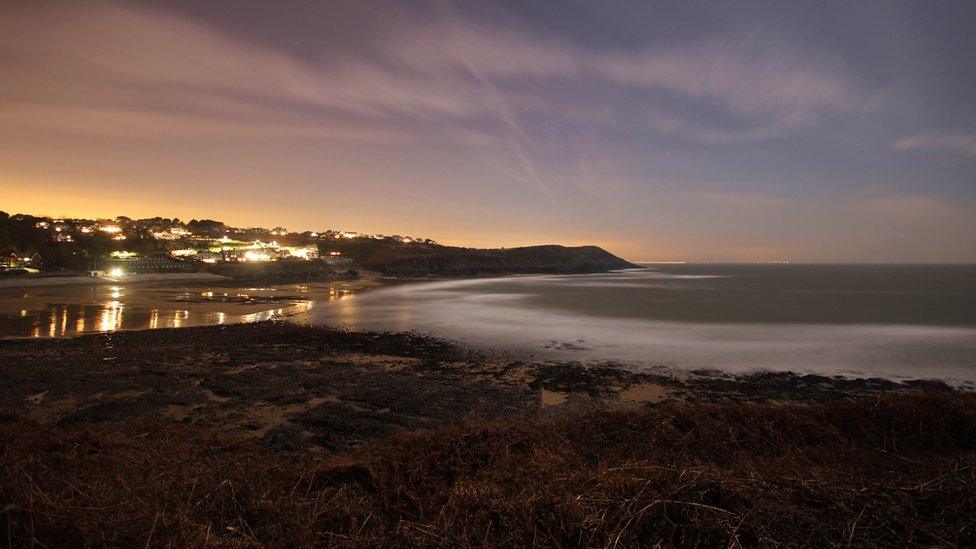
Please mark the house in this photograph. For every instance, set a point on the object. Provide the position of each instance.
(20, 260)
(336, 259)
(300, 252)
(173, 233)
(151, 264)
(210, 257)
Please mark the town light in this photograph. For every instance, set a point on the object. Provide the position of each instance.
(116, 272)
(256, 256)
(123, 254)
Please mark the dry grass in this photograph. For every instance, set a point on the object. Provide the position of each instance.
(896, 470)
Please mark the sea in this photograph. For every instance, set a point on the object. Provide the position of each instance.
(890, 321)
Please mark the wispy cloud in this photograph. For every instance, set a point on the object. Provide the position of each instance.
(518, 138)
(169, 70)
(776, 88)
(932, 209)
(142, 58)
(959, 143)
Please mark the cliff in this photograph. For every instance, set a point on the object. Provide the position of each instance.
(421, 260)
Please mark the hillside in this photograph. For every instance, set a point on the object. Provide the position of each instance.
(417, 259)
(276, 271)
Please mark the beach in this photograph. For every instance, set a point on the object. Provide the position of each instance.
(26, 281)
(310, 425)
(269, 418)
(268, 379)
(45, 307)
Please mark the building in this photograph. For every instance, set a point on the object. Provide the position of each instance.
(336, 259)
(20, 260)
(173, 233)
(151, 264)
(300, 252)
(210, 257)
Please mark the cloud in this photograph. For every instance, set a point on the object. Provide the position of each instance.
(518, 138)
(751, 202)
(964, 144)
(169, 70)
(141, 123)
(121, 70)
(777, 87)
(743, 81)
(918, 208)
(112, 54)
(607, 187)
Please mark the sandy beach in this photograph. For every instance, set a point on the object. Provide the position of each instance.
(48, 309)
(149, 278)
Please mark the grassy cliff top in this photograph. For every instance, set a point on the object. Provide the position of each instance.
(420, 259)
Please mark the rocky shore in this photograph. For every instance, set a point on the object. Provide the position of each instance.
(242, 433)
(313, 389)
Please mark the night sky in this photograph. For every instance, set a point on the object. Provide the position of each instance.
(804, 131)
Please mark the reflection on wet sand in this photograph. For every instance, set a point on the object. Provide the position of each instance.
(70, 311)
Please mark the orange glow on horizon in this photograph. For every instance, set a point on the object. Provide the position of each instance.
(65, 201)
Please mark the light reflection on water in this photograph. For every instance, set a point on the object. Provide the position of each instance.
(70, 311)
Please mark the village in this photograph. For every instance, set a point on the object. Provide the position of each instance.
(31, 245)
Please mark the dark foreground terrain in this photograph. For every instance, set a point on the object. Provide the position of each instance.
(279, 434)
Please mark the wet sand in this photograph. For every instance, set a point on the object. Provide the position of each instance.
(80, 280)
(53, 310)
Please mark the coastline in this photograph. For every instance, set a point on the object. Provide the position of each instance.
(261, 378)
(212, 300)
(272, 432)
(277, 433)
(75, 280)
(165, 279)
(234, 310)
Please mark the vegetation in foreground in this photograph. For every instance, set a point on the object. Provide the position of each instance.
(896, 469)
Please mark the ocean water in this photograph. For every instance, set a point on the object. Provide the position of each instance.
(892, 321)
